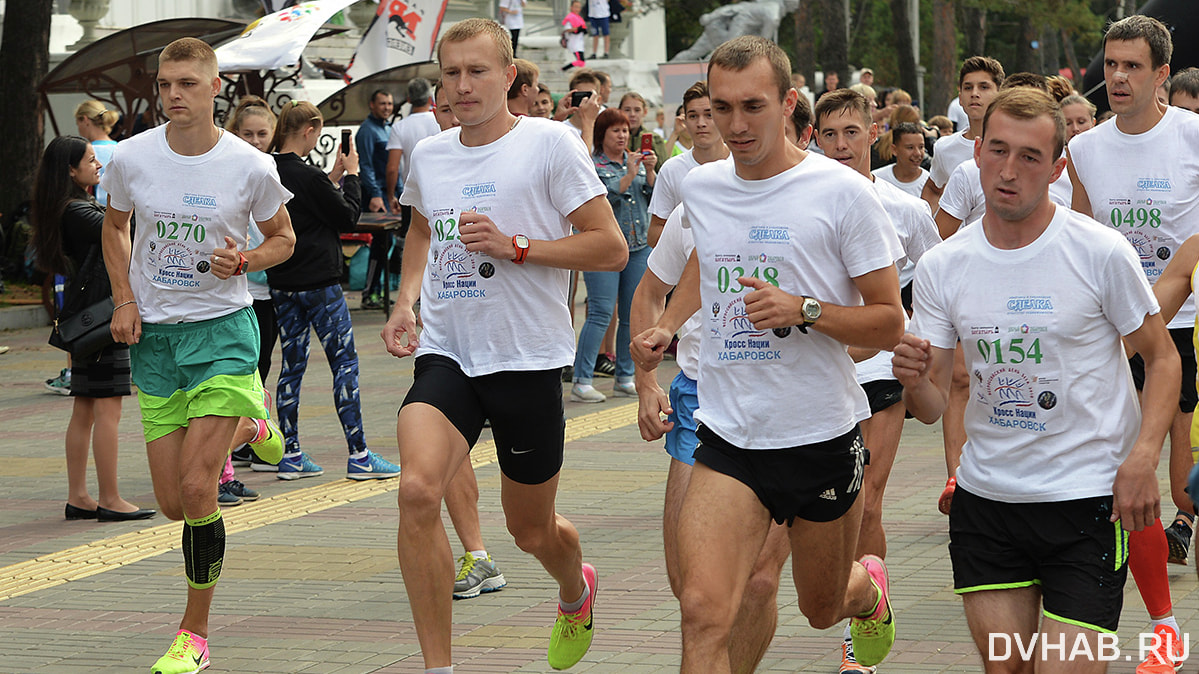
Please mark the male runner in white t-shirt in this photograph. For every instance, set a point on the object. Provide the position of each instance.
(978, 82)
(774, 372)
(962, 199)
(494, 202)
(183, 306)
(706, 146)
(1059, 465)
(1140, 176)
(845, 131)
(405, 134)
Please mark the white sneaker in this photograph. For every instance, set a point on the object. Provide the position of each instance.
(586, 393)
(625, 390)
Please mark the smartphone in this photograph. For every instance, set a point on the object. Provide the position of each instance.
(647, 142)
(345, 141)
(577, 98)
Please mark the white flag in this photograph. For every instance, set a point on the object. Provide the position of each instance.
(276, 40)
(402, 32)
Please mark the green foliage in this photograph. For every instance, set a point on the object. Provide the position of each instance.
(872, 36)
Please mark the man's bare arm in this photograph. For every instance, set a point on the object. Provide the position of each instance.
(126, 325)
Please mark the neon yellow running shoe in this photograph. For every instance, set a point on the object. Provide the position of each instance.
(874, 634)
(187, 655)
(571, 636)
(268, 444)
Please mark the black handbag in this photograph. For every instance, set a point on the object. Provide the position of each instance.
(82, 327)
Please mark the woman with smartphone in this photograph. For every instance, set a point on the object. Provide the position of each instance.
(629, 177)
(306, 289)
(66, 231)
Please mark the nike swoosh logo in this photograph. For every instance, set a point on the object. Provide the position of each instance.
(523, 451)
(199, 659)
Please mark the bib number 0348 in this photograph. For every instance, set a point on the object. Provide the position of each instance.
(1013, 351)
(726, 277)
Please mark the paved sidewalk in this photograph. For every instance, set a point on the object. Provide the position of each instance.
(311, 583)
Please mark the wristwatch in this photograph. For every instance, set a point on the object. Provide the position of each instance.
(810, 310)
(521, 243)
(243, 265)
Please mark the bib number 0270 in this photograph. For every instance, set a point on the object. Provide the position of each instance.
(180, 231)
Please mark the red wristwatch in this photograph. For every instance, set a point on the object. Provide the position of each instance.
(243, 265)
(521, 243)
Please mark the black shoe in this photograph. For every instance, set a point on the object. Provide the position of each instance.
(239, 490)
(605, 366)
(73, 513)
(1178, 538)
(106, 515)
(242, 456)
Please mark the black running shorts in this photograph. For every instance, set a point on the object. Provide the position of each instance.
(1069, 549)
(817, 482)
(882, 393)
(525, 409)
(1187, 397)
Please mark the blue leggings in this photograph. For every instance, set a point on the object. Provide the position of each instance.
(325, 311)
(608, 290)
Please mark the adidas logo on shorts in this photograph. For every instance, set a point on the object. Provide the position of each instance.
(828, 495)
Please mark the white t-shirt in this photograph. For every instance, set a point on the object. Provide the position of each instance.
(1052, 410)
(598, 9)
(407, 132)
(957, 115)
(914, 188)
(770, 389)
(492, 315)
(948, 152)
(667, 261)
(667, 192)
(963, 197)
(1146, 187)
(514, 19)
(913, 222)
(185, 208)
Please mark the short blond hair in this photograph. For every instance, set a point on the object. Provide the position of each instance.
(191, 49)
(740, 53)
(469, 28)
(1027, 103)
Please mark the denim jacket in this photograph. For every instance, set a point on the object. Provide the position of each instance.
(632, 207)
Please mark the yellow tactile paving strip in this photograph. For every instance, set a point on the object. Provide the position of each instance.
(104, 555)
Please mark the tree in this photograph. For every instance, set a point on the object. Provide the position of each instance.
(945, 58)
(24, 60)
(904, 53)
(834, 48)
(805, 45)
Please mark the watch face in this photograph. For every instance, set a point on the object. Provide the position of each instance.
(811, 309)
(522, 241)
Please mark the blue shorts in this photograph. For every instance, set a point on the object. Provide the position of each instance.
(680, 440)
(599, 26)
